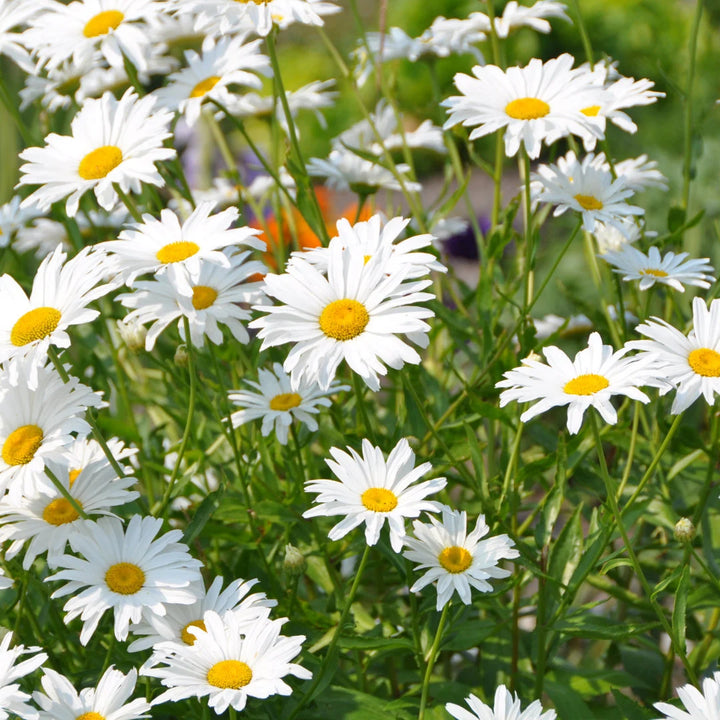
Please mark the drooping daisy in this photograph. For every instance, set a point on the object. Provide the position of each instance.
(356, 313)
(208, 76)
(587, 187)
(35, 424)
(41, 237)
(45, 518)
(207, 299)
(541, 102)
(12, 699)
(112, 141)
(12, 218)
(130, 571)
(672, 269)
(174, 627)
(371, 490)
(591, 379)
(698, 705)
(458, 561)
(507, 706)
(692, 363)
(62, 289)
(640, 174)
(13, 14)
(155, 244)
(535, 16)
(279, 400)
(109, 700)
(610, 239)
(230, 662)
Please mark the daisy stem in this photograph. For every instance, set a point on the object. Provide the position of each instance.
(432, 655)
(529, 263)
(222, 143)
(687, 160)
(611, 492)
(631, 450)
(361, 409)
(189, 421)
(63, 491)
(128, 202)
(583, 33)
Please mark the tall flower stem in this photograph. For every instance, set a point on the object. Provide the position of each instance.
(129, 203)
(432, 656)
(687, 144)
(63, 491)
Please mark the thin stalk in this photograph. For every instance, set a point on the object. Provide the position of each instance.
(431, 661)
(583, 33)
(128, 202)
(360, 407)
(687, 149)
(222, 143)
(63, 491)
(631, 450)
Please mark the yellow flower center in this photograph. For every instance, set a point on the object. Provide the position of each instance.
(653, 272)
(344, 319)
(285, 401)
(591, 111)
(587, 384)
(229, 674)
(125, 578)
(177, 251)
(73, 475)
(205, 86)
(90, 716)
(34, 325)
(379, 499)
(21, 445)
(366, 259)
(60, 512)
(102, 23)
(703, 361)
(203, 297)
(455, 559)
(527, 108)
(588, 202)
(98, 163)
(189, 638)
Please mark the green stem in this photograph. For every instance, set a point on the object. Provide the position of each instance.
(63, 491)
(128, 202)
(687, 154)
(431, 661)
(583, 33)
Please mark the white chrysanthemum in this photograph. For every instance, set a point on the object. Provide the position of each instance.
(112, 141)
(229, 663)
(207, 298)
(208, 76)
(456, 560)
(35, 424)
(698, 705)
(114, 27)
(672, 269)
(61, 293)
(371, 490)
(45, 518)
(12, 699)
(344, 170)
(587, 187)
(692, 363)
(591, 379)
(130, 571)
(279, 401)
(356, 313)
(515, 16)
(155, 244)
(541, 102)
(109, 700)
(376, 233)
(5, 582)
(172, 629)
(507, 706)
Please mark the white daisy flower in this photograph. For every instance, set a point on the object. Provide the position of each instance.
(109, 700)
(371, 490)
(210, 75)
(455, 559)
(230, 662)
(698, 705)
(60, 295)
(5, 582)
(12, 218)
(396, 44)
(515, 16)
(672, 269)
(156, 244)
(610, 239)
(172, 629)
(456, 36)
(112, 141)
(13, 14)
(114, 27)
(45, 518)
(356, 313)
(591, 379)
(507, 706)
(279, 401)
(587, 187)
(640, 174)
(692, 363)
(130, 571)
(206, 299)
(86, 451)
(35, 424)
(41, 237)
(541, 102)
(371, 235)
(12, 700)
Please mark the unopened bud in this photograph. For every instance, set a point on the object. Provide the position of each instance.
(684, 530)
(181, 356)
(132, 333)
(294, 563)
(532, 357)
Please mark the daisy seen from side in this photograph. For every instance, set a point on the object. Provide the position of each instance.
(506, 706)
(698, 705)
(12, 700)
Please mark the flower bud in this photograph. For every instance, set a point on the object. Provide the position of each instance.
(684, 530)
(181, 356)
(132, 334)
(294, 563)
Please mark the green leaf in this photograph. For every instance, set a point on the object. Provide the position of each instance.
(566, 552)
(567, 701)
(204, 512)
(678, 616)
(588, 625)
